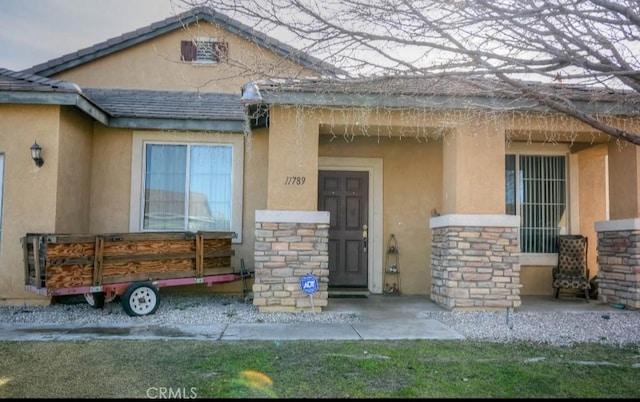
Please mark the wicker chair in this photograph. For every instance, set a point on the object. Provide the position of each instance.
(572, 271)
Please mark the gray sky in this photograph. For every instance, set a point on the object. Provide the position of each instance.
(35, 31)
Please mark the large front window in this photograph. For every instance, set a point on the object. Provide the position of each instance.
(536, 190)
(187, 187)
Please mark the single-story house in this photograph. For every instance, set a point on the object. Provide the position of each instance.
(316, 172)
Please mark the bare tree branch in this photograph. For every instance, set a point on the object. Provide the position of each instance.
(586, 42)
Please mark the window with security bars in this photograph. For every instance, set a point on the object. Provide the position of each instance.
(536, 190)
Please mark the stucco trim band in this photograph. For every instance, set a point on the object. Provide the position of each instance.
(618, 225)
(475, 220)
(292, 216)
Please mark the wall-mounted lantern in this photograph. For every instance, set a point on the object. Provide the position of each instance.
(35, 154)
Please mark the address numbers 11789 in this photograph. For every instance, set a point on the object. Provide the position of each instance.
(294, 180)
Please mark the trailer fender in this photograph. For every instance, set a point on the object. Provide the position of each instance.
(95, 299)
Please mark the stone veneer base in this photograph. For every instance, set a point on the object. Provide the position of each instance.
(475, 262)
(619, 262)
(288, 246)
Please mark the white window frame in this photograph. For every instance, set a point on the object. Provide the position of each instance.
(140, 138)
(517, 149)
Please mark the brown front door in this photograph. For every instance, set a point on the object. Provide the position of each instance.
(346, 196)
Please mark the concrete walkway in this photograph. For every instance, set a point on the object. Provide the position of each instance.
(382, 318)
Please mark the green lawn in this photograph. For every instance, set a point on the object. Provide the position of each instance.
(315, 369)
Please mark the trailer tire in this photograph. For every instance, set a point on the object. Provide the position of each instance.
(95, 299)
(140, 298)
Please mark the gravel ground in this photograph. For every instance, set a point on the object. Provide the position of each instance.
(556, 328)
(614, 328)
(173, 310)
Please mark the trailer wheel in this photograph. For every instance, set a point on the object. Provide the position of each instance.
(140, 299)
(95, 299)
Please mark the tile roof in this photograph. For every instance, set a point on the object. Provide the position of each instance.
(134, 103)
(444, 93)
(27, 82)
(450, 86)
(194, 15)
(132, 108)
(192, 110)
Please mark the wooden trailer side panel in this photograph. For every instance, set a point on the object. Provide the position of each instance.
(92, 260)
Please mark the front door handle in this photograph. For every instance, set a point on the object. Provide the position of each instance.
(365, 237)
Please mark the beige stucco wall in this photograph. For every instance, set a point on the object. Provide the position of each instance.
(624, 176)
(29, 192)
(474, 170)
(293, 152)
(156, 65)
(74, 172)
(593, 198)
(256, 169)
(536, 280)
(111, 180)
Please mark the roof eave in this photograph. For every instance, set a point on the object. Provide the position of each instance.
(41, 98)
(437, 102)
(54, 98)
(141, 123)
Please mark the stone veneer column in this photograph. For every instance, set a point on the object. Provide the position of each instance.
(288, 246)
(619, 262)
(475, 262)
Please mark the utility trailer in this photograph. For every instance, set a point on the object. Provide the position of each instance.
(133, 266)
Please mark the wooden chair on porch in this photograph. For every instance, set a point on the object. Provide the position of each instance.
(572, 271)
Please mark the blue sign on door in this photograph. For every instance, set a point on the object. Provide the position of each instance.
(309, 284)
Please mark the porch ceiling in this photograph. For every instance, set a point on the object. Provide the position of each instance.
(360, 130)
(579, 139)
(584, 138)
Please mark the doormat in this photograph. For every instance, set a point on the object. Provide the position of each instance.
(346, 296)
